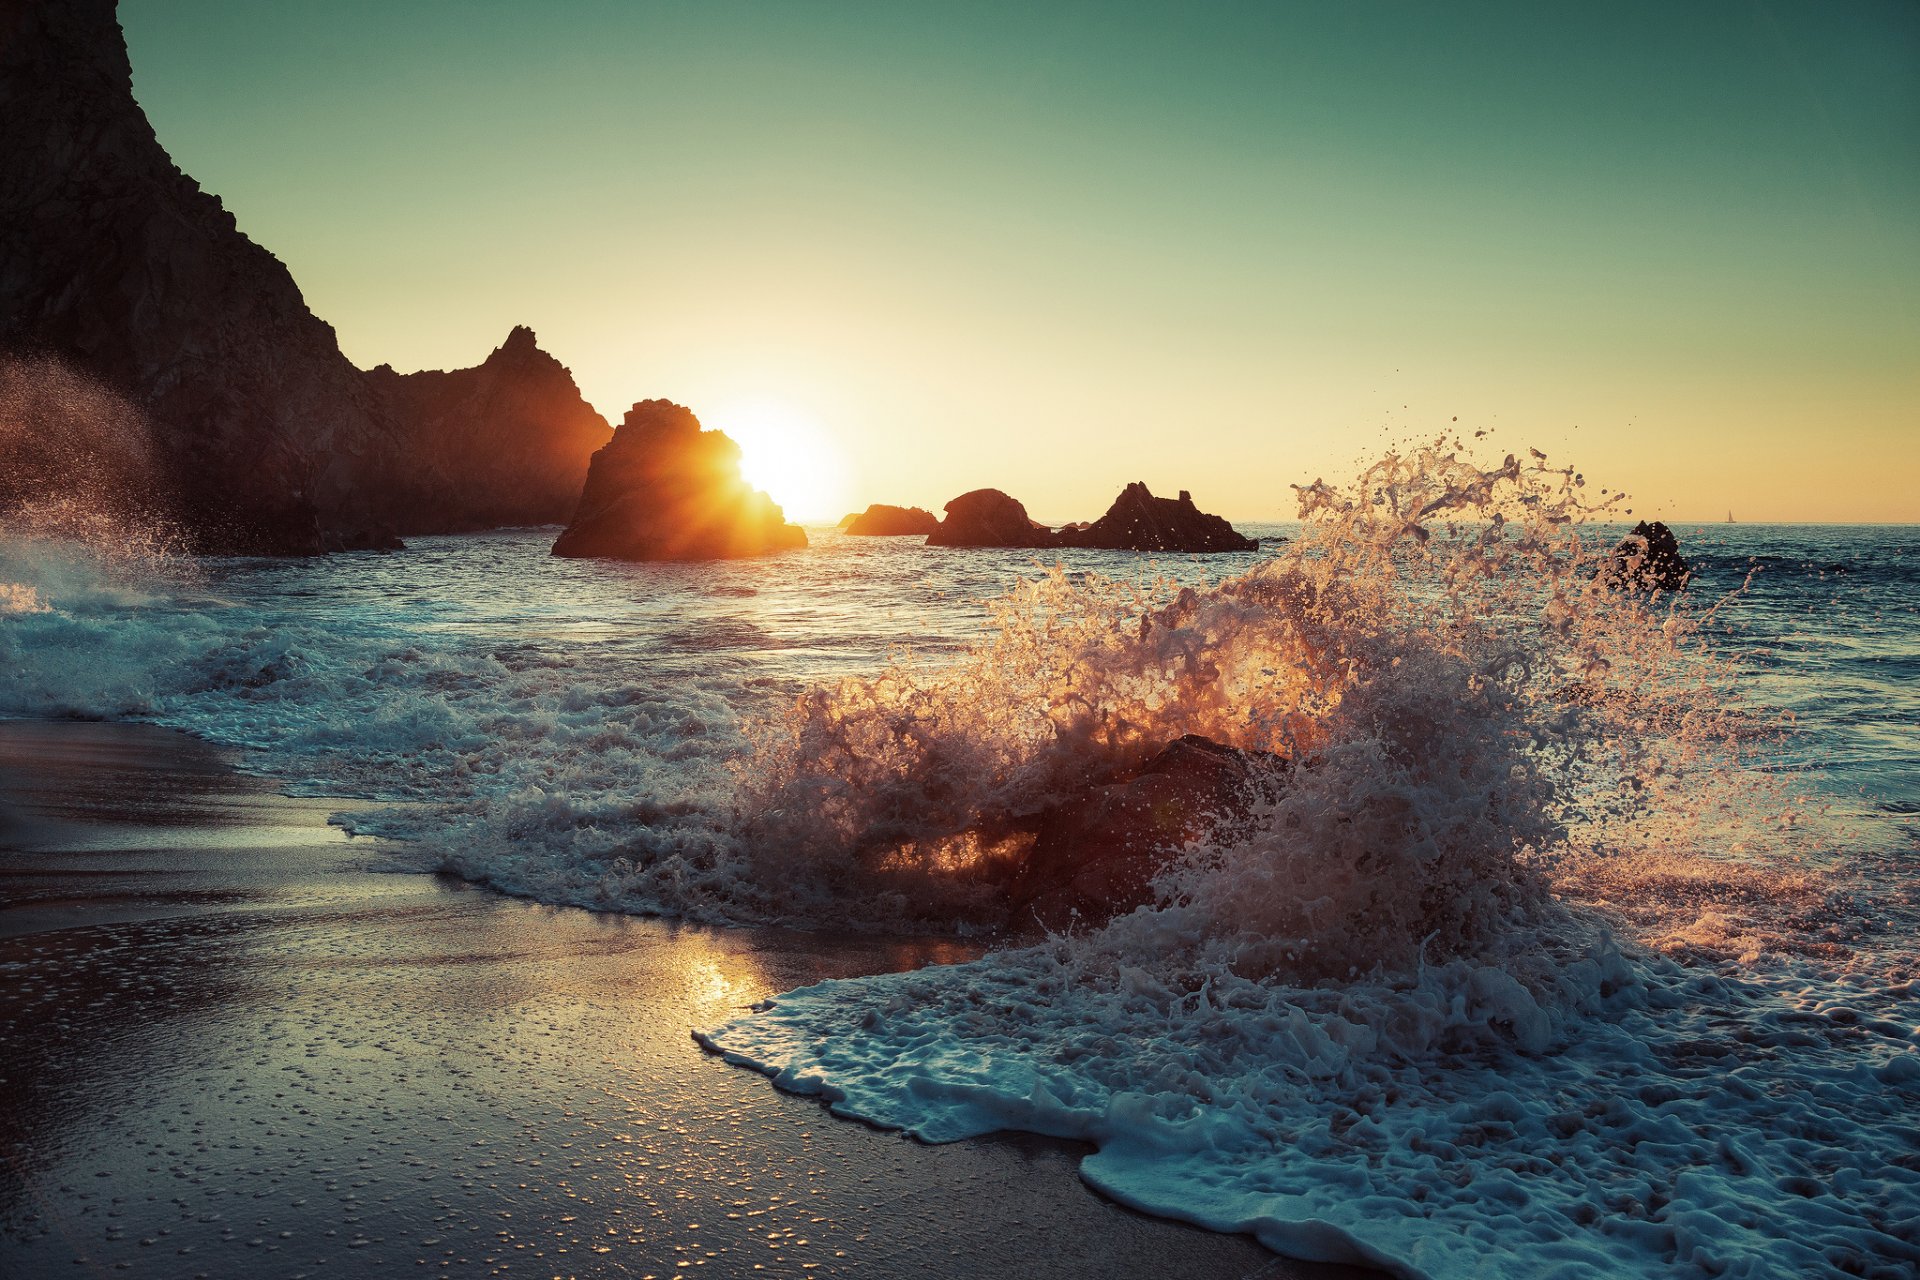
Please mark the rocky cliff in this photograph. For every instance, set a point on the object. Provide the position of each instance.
(663, 489)
(506, 442)
(269, 439)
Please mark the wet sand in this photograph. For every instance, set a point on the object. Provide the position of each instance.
(229, 1047)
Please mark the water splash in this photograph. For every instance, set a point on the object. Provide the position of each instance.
(83, 505)
(1427, 1015)
(1465, 699)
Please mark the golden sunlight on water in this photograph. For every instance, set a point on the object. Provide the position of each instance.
(784, 451)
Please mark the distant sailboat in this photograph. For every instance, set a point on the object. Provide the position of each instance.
(1730, 519)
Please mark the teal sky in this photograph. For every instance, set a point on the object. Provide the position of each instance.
(1054, 248)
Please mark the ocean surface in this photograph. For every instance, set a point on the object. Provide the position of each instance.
(1582, 942)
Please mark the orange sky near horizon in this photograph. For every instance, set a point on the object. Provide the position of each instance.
(1054, 251)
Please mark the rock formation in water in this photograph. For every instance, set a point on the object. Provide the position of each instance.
(1095, 854)
(1649, 559)
(663, 489)
(506, 442)
(989, 518)
(1138, 521)
(883, 521)
(268, 438)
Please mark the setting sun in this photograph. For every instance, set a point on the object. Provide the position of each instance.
(786, 453)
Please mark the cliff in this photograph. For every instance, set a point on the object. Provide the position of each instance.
(506, 442)
(267, 438)
(663, 489)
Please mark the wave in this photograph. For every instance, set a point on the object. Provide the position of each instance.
(1403, 1021)
(1520, 959)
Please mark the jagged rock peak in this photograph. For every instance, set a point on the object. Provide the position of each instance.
(1138, 521)
(266, 438)
(520, 340)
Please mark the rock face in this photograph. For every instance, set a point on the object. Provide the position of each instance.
(1649, 559)
(663, 489)
(268, 439)
(506, 442)
(883, 521)
(1138, 521)
(1095, 855)
(989, 518)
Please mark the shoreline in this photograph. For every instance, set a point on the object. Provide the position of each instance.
(238, 1051)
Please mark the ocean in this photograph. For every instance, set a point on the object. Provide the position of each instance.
(1579, 939)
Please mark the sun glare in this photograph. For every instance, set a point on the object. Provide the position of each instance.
(788, 454)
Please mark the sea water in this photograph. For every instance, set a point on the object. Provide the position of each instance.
(1580, 938)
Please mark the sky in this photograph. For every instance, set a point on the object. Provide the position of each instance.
(1054, 248)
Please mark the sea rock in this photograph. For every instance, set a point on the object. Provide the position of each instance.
(989, 518)
(1095, 855)
(1138, 521)
(266, 437)
(883, 521)
(1649, 559)
(663, 489)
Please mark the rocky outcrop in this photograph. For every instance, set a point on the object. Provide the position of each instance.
(1138, 521)
(663, 489)
(266, 437)
(883, 521)
(989, 518)
(506, 442)
(1095, 855)
(1649, 559)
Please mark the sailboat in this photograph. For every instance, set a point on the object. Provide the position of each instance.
(1730, 519)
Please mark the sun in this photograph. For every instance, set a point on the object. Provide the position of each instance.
(786, 453)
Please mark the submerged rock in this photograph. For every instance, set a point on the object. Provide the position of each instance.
(1095, 855)
(1649, 558)
(883, 521)
(664, 489)
(989, 518)
(1138, 521)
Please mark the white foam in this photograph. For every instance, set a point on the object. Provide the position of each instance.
(1640, 1119)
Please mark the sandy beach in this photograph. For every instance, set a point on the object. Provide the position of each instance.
(231, 1048)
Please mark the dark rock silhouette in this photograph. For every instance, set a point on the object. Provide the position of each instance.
(506, 442)
(266, 437)
(1095, 855)
(663, 489)
(883, 521)
(1138, 521)
(1649, 559)
(989, 518)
